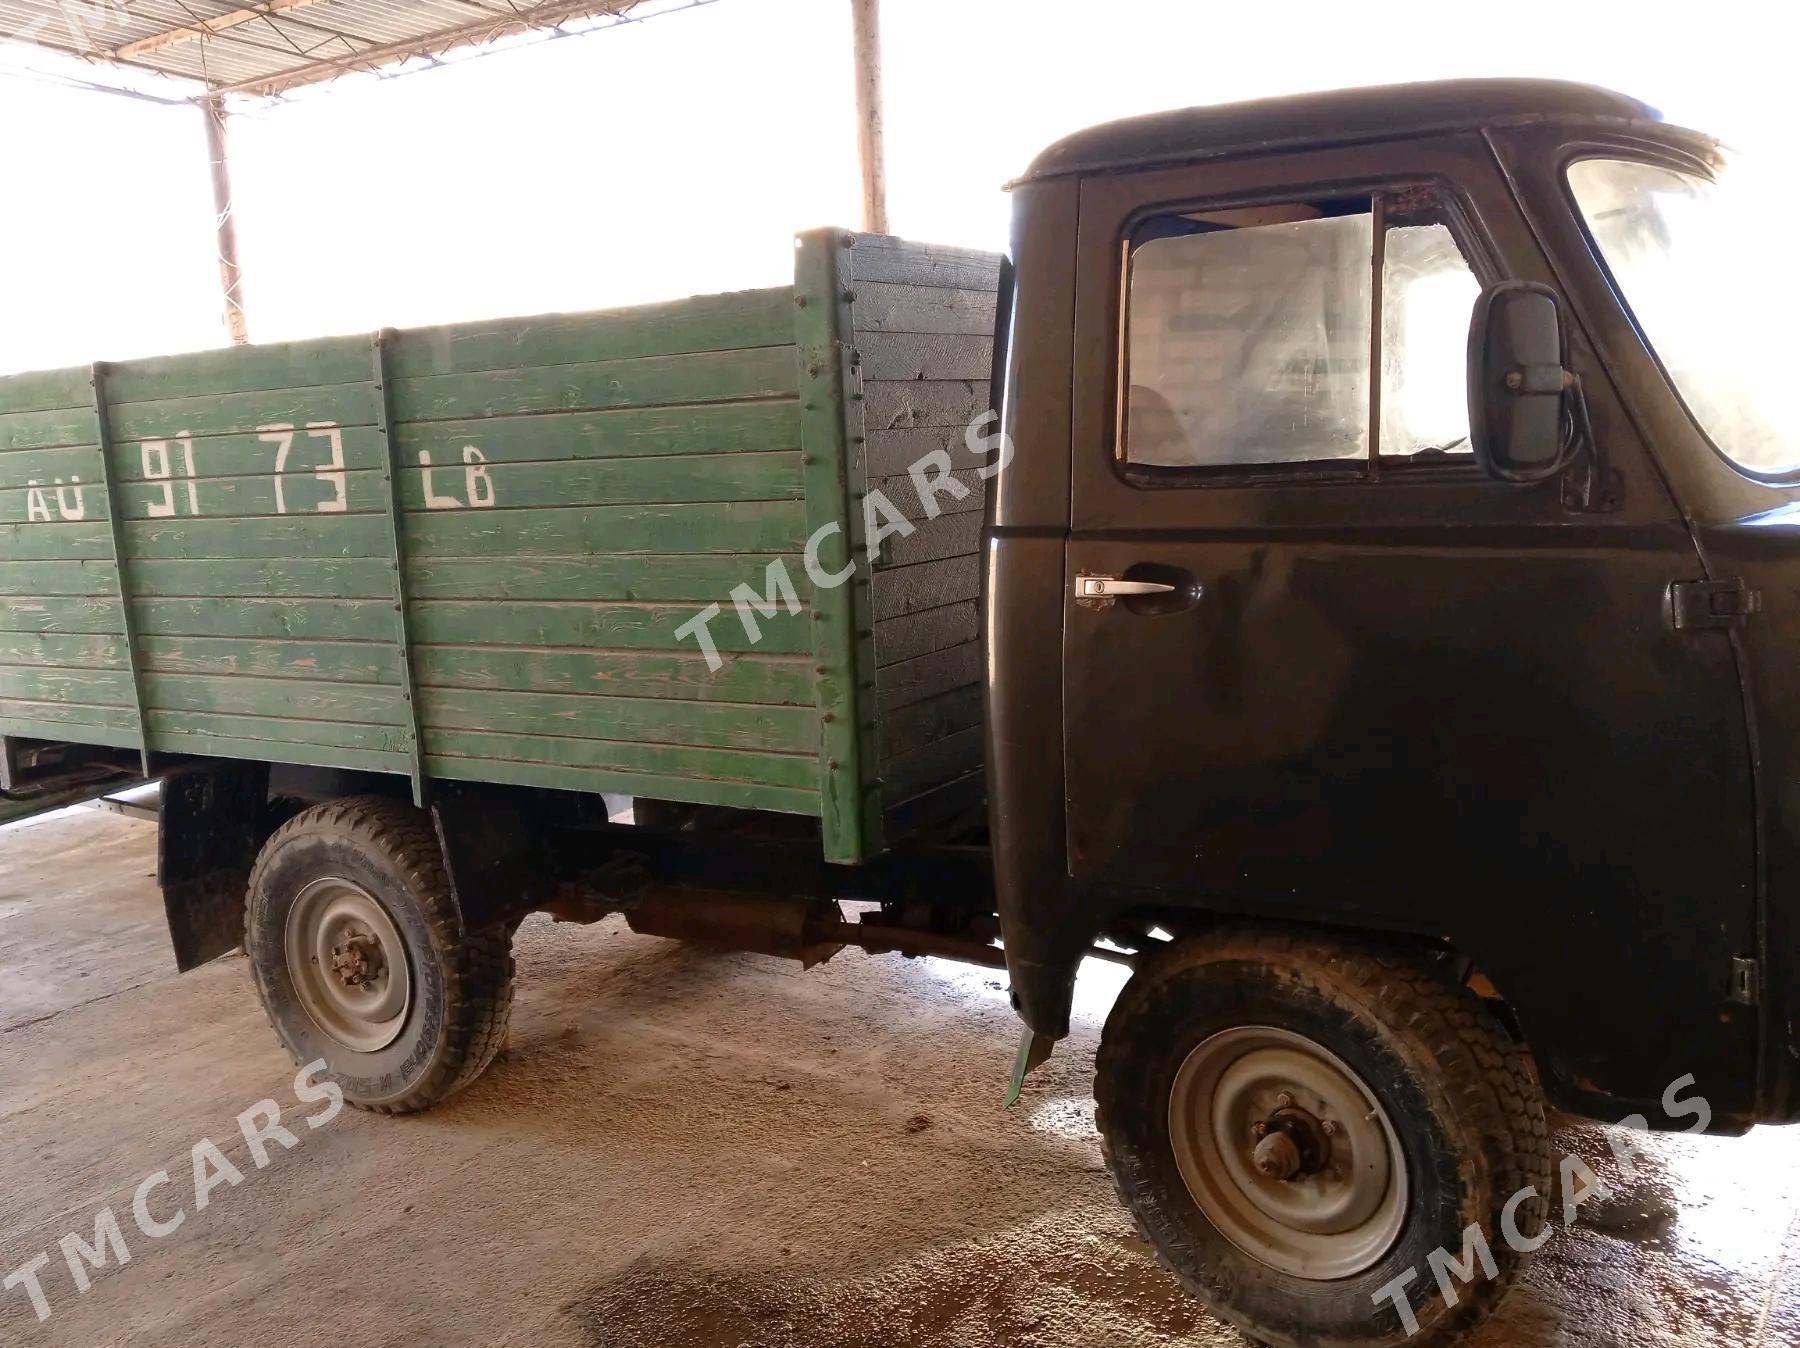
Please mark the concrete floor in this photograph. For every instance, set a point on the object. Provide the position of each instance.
(679, 1148)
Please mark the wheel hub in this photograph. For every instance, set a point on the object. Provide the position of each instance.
(358, 962)
(349, 966)
(1287, 1152)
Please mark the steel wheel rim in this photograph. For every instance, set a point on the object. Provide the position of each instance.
(1332, 1223)
(348, 965)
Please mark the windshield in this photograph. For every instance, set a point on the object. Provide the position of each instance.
(1712, 293)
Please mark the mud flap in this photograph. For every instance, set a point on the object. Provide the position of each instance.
(213, 821)
(495, 857)
(1034, 1051)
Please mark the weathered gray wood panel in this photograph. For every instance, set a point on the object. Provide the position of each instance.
(923, 327)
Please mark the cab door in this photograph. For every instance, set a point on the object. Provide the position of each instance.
(1319, 666)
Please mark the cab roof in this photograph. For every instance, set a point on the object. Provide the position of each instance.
(1341, 117)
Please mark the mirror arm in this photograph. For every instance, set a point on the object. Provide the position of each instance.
(1591, 485)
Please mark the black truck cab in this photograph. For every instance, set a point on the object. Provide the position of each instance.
(1389, 689)
(1399, 548)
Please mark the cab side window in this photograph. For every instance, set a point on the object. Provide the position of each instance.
(1250, 337)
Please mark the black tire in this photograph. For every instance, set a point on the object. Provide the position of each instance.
(1464, 1103)
(461, 984)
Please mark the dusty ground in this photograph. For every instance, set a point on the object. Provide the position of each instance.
(678, 1148)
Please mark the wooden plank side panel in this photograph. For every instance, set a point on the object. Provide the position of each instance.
(608, 433)
(647, 720)
(43, 390)
(588, 484)
(924, 676)
(726, 322)
(240, 369)
(559, 776)
(744, 767)
(652, 381)
(760, 678)
(642, 577)
(924, 320)
(718, 528)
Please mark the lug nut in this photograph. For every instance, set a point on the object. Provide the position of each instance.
(1259, 1130)
(1285, 1100)
(1329, 1127)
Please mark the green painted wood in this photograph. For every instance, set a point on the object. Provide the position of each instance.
(236, 413)
(166, 725)
(90, 540)
(700, 724)
(103, 433)
(346, 661)
(725, 765)
(64, 712)
(372, 704)
(96, 615)
(274, 536)
(239, 369)
(68, 479)
(641, 464)
(646, 577)
(36, 648)
(672, 480)
(255, 578)
(705, 428)
(710, 376)
(44, 683)
(656, 677)
(300, 619)
(602, 625)
(363, 492)
(254, 454)
(831, 434)
(240, 696)
(50, 468)
(14, 722)
(733, 527)
(41, 390)
(401, 622)
(703, 323)
(46, 429)
(653, 786)
(278, 751)
(36, 579)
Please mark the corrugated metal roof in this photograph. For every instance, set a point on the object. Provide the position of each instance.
(233, 46)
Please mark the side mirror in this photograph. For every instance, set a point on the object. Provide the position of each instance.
(1519, 383)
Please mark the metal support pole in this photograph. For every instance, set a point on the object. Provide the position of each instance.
(866, 21)
(231, 277)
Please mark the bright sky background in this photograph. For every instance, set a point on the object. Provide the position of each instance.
(679, 155)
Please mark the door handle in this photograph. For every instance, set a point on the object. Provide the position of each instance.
(1111, 587)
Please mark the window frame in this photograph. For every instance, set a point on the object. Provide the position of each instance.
(1672, 161)
(1372, 467)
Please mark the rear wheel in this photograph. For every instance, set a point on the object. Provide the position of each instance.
(1296, 1124)
(361, 958)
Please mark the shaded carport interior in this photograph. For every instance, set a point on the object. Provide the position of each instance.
(218, 51)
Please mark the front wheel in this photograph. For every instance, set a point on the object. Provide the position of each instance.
(361, 958)
(1296, 1124)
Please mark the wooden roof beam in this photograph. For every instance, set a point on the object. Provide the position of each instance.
(202, 28)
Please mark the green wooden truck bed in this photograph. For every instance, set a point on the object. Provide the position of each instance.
(464, 552)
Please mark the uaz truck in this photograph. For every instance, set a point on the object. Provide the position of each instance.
(1372, 617)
